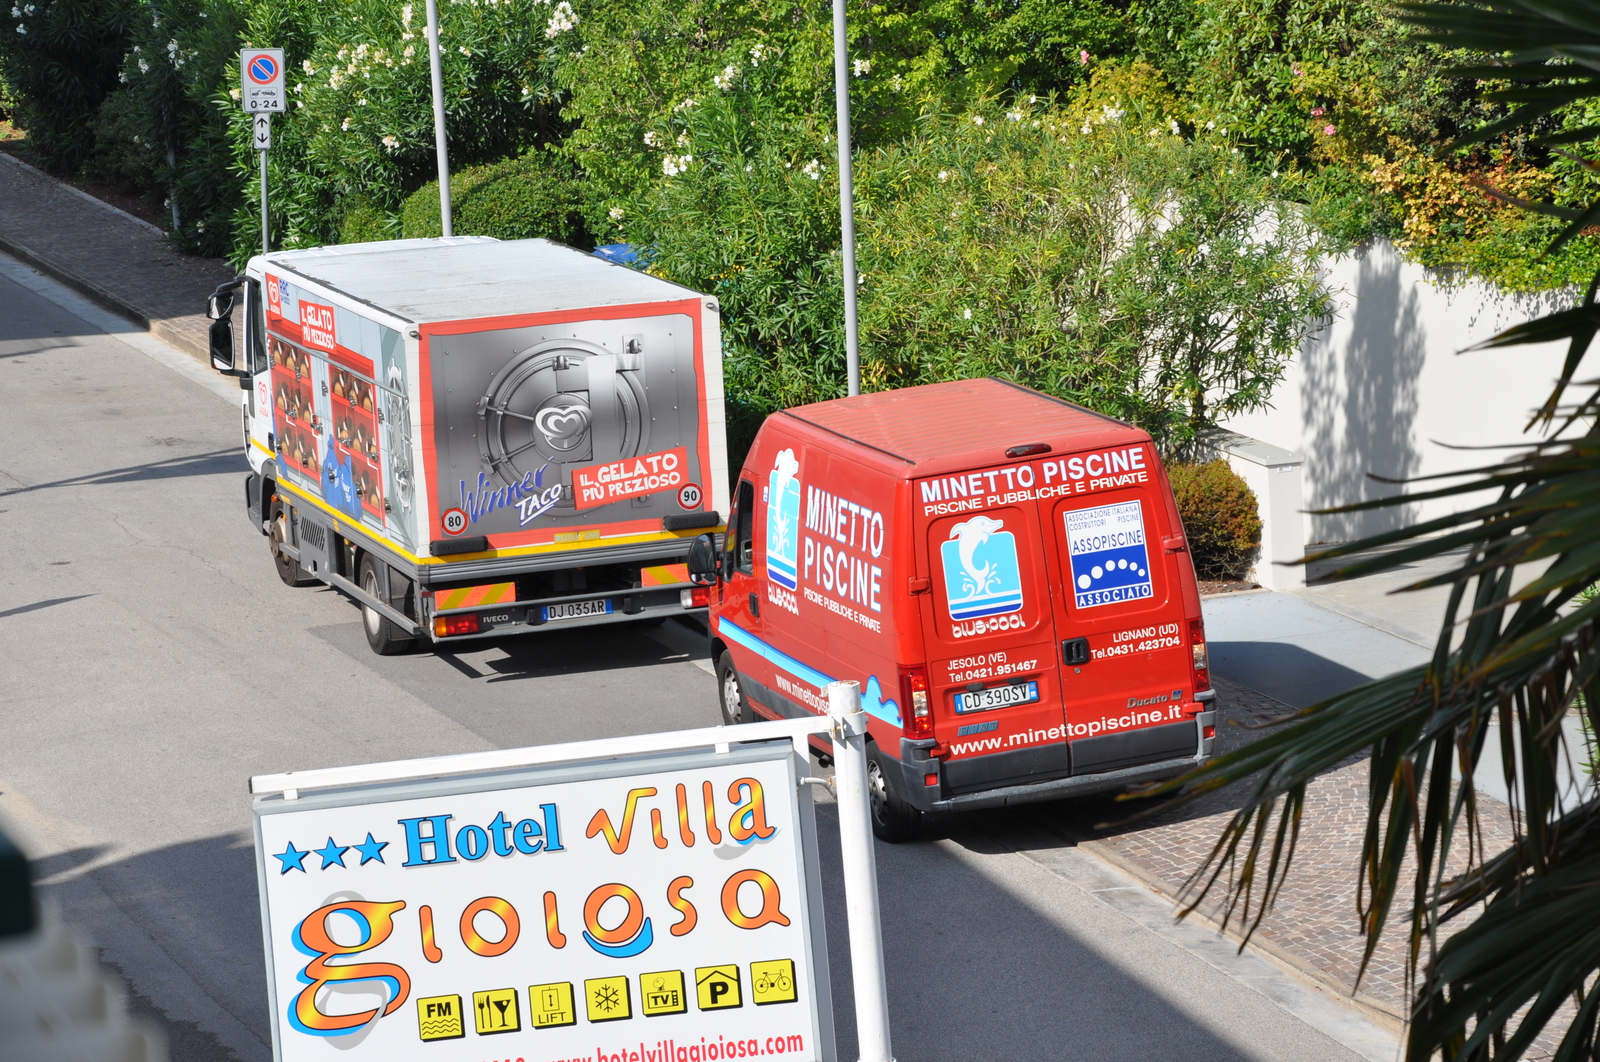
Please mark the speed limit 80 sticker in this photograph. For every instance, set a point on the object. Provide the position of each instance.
(454, 521)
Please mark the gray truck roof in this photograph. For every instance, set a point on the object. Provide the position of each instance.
(465, 277)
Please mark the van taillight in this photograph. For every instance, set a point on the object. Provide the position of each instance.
(914, 695)
(1197, 646)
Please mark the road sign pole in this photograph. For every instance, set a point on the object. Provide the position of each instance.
(437, 74)
(847, 207)
(265, 231)
(860, 869)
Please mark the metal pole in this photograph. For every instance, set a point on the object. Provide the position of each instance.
(860, 869)
(265, 232)
(847, 208)
(437, 74)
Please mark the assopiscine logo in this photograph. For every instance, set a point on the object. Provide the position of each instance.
(783, 518)
(1109, 560)
(981, 575)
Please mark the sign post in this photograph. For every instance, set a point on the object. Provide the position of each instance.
(649, 897)
(260, 94)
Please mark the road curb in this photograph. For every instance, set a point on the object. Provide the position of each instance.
(104, 299)
(1374, 1010)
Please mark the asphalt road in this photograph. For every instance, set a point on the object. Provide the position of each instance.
(152, 662)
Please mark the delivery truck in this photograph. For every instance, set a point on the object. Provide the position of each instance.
(1004, 574)
(473, 438)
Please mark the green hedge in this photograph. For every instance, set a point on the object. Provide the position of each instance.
(1220, 518)
(536, 195)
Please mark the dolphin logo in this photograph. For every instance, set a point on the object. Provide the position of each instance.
(784, 469)
(969, 535)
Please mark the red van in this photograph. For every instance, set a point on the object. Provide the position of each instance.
(1005, 575)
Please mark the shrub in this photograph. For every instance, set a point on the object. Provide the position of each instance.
(59, 61)
(1219, 518)
(537, 195)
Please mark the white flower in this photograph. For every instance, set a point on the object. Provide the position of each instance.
(944, 175)
(1172, 124)
(391, 142)
(345, 126)
(724, 81)
(812, 169)
(688, 104)
(1085, 128)
(1274, 173)
(405, 15)
(122, 76)
(464, 50)
(1033, 99)
(144, 67)
(616, 214)
(1154, 132)
(361, 103)
(1211, 125)
(16, 12)
(562, 19)
(977, 119)
(683, 138)
(652, 138)
(967, 314)
(411, 49)
(672, 165)
(758, 53)
(24, 31)
(1014, 116)
(863, 67)
(232, 92)
(897, 82)
(305, 64)
(1203, 250)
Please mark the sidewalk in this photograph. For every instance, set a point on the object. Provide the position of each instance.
(113, 258)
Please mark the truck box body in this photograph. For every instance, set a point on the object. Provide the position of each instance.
(1017, 560)
(511, 424)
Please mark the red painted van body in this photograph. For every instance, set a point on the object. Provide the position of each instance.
(1004, 573)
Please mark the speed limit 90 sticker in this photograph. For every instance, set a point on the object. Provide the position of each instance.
(690, 496)
(453, 521)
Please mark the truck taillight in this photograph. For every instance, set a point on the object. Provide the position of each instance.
(695, 597)
(1197, 646)
(914, 695)
(448, 626)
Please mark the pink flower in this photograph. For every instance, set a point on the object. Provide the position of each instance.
(1316, 112)
(1298, 72)
(1083, 58)
(1328, 130)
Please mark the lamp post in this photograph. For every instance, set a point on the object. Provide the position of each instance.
(847, 212)
(437, 74)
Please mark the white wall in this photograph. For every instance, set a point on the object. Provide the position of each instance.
(1384, 389)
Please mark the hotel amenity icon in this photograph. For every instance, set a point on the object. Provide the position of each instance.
(439, 1018)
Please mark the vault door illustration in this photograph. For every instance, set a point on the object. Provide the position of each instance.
(564, 404)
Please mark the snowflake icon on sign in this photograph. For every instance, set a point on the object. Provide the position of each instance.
(606, 998)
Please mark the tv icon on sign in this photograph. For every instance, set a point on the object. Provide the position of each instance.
(663, 993)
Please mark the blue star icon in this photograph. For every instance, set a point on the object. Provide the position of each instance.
(332, 854)
(291, 858)
(371, 850)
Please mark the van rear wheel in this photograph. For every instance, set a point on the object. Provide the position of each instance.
(893, 819)
(730, 694)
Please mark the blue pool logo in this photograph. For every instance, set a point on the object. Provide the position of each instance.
(783, 518)
(981, 573)
(1109, 560)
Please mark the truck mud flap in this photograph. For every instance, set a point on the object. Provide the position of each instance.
(1062, 788)
(1108, 752)
(1038, 764)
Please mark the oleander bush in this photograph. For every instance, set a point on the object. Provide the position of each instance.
(1221, 520)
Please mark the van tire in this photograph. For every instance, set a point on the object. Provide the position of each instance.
(289, 569)
(893, 819)
(383, 636)
(729, 686)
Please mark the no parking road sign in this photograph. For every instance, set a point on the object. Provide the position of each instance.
(261, 79)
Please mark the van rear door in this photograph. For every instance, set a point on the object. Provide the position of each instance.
(1118, 609)
(991, 645)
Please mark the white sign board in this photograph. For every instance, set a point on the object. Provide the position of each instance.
(263, 131)
(663, 908)
(261, 79)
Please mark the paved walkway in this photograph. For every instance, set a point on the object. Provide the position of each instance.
(113, 258)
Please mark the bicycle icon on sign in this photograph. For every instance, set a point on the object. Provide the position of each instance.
(779, 983)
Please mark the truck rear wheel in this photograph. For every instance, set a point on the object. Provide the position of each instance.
(385, 638)
(893, 820)
(289, 569)
(730, 694)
